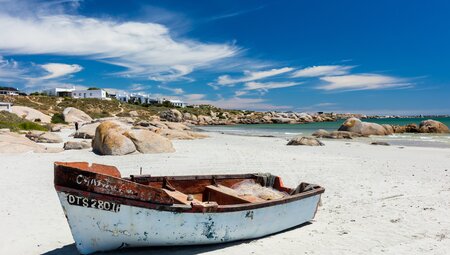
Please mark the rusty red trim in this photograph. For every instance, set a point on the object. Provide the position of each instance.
(187, 208)
(148, 197)
(83, 179)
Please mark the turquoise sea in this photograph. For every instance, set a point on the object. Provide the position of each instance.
(290, 130)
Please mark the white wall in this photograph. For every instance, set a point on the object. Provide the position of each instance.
(100, 94)
(5, 107)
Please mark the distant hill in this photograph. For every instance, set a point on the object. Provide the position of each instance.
(97, 108)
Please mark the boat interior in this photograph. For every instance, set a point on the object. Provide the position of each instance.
(217, 188)
(202, 189)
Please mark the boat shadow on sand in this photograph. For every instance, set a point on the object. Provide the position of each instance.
(70, 249)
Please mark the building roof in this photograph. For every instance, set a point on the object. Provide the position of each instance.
(9, 89)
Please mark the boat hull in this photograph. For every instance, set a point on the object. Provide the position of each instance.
(120, 226)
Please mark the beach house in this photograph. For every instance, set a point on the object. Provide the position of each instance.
(136, 98)
(145, 99)
(87, 93)
(177, 103)
(5, 106)
(174, 102)
(9, 91)
(59, 92)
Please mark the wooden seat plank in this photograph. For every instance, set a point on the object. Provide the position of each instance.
(231, 195)
(181, 197)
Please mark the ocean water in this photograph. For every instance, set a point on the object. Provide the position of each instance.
(290, 130)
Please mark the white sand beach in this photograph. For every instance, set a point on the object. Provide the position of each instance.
(378, 199)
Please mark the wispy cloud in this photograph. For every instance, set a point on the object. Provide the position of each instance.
(143, 49)
(252, 76)
(177, 72)
(9, 70)
(363, 82)
(240, 103)
(264, 86)
(56, 70)
(233, 14)
(194, 97)
(138, 87)
(325, 70)
(177, 91)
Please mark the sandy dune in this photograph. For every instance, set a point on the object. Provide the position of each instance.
(378, 199)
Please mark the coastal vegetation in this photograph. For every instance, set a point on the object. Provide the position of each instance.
(58, 118)
(97, 108)
(16, 123)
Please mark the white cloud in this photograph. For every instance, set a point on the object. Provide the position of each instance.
(239, 93)
(242, 104)
(177, 72)
(138, 87)
(176, 91)
(56, 70)
(194, 97)
(32, 87)
(144, 49)
(363, 82)
(252, 76)
(327, 70)
(9, 70)
(268, 85)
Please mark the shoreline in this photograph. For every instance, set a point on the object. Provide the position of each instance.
(386, 199)
(410, 139)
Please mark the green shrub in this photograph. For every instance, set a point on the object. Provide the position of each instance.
(58, 118)
(15, 123)
(31, 126)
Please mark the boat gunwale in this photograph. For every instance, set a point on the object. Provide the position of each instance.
(62, 183)
(187, 208)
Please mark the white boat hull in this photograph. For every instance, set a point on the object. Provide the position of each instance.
(129, 226)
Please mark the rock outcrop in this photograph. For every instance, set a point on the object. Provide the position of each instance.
(76, 145)
(364, 128)
(31, 114)
(380, 143)
(172, 115)
(149, 142)
(86, 131)
(176, 126)
(72, 115)
(113, 138)
(321, 133)
(412, 128)
(15, 143)
(389, 129)
(43, 137)
(433, 126)
(180, 135)
(110, 139)
(309, 141)
(282, 120)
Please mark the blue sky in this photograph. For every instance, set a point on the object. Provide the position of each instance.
(377, 57)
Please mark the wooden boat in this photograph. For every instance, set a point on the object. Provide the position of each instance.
(106, 211)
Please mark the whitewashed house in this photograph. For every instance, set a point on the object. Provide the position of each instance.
(4, 106)
(123, 97)
(145, 99)
(136, 97)
(174, 102)
(59, 92)
(177, 103)
(81, 94)
(9, 91)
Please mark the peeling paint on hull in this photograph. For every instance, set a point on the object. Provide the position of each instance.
(101, 230)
